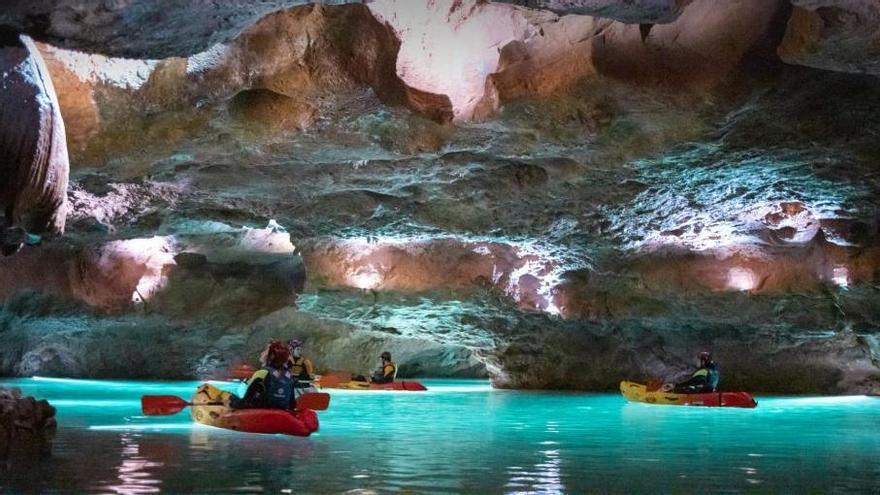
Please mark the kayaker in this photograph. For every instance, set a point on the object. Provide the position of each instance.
(387, 371)
(272, 385)
(301, 367)
(704, 380)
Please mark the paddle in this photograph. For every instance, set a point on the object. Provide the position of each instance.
(330, 381)
(164, 405)
(241, 372)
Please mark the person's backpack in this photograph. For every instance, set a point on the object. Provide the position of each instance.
(279, 388)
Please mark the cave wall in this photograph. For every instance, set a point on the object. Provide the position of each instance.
(552, 194)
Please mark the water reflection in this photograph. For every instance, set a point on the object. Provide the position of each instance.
(135, 472)
(462, 441)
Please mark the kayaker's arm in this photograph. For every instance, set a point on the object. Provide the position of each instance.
(696, 384)
(256, 387)
(310, 369)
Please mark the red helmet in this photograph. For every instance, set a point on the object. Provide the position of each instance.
(277, 355)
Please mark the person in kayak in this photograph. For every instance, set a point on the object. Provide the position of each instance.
(301, 367)
(272, 385)
(704, 380)
(387, 371)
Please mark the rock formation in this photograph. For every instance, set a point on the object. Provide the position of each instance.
(33, 150)
(632, 12)
(525, 192)
(26, 424)
(840, 35)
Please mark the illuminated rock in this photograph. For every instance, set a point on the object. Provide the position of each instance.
(275, 83)
(522, 272)
(33, 150)
(839, 35)
(138, 29)
(235, 272)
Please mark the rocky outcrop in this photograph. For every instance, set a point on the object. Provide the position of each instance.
(138, 29)
(33, 150)
(839, 35)
(524, 272)
(609, 199)
(767, 357)
(233, 274)
(257, 79)
(705, 44)
(634, 12)
(26, 425)
(143, 29)
(482, 55)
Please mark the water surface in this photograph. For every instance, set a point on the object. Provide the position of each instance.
(461, 436)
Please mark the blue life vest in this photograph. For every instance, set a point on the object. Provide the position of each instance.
(713, 377)
(279, 388)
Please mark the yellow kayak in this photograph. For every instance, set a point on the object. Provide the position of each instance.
(637, 392)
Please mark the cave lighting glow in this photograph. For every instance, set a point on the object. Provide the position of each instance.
(154, 254)
(741, 279)
(840, 276)
(546, 263)
(118, 72)
(365, 278)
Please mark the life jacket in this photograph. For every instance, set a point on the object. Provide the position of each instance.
(299, 369)
(279, 388)
(393, 370)
(384, 374)
(711, 375)
(392, 373)
(713, 378)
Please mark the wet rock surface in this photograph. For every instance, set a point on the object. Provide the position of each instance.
(27, 425)
(574, 202)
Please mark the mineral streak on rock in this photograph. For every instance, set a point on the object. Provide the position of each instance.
(33, 149)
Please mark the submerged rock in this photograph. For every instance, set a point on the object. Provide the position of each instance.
(26, 424)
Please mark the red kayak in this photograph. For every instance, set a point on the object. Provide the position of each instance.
(408, 386)
(272, 421)
(205, 410)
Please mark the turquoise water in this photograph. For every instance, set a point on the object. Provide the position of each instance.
(461, 436)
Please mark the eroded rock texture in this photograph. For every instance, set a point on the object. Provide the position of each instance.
(135, 28)
(27, 425)
(840, 35)
(33, 150)
(482, 189)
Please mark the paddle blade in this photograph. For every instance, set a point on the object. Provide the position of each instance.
(241, 372)
(162, 405)
(316, 401)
